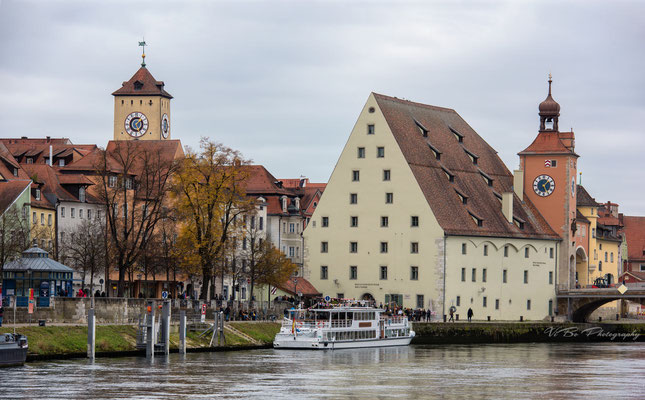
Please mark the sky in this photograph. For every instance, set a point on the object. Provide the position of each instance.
(284, 81)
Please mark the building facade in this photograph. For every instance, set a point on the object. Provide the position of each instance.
(421, 212)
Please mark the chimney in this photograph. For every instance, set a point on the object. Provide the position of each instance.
(518, 184)
(507, 206)
(50, 153)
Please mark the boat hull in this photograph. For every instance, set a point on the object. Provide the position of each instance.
(288, 342)
(13, 356)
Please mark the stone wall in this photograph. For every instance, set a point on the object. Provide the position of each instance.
(109, 310)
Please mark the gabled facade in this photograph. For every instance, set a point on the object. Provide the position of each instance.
(420, 211)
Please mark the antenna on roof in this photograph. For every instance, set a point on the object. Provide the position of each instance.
(143, 52)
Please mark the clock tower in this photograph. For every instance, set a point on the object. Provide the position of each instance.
(142, 108)
(549, 168)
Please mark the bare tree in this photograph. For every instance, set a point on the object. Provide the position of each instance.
(14, 235)
(134, 177)
(84, 250)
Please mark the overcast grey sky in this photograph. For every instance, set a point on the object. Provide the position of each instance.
(284, 81)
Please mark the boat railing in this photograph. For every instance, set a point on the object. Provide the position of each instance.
(311, 324)
(395, 320)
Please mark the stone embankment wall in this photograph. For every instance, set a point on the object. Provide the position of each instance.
(522, 332)
(109, 310)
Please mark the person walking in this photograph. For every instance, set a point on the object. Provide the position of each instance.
(452, 314)
(470, 314)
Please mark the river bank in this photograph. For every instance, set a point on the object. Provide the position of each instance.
(70, 341)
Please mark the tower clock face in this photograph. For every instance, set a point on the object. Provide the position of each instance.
(165, 126)
(543, 185)
(136, 124)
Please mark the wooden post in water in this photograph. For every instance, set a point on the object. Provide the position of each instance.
(91, 334)
(182, 332)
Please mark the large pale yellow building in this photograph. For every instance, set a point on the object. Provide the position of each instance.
(420, 211)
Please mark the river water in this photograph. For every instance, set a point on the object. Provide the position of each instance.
(499, 371)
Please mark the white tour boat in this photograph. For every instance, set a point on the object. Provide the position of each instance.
(343, 327)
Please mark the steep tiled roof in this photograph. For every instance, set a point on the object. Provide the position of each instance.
(52, 190)
(9, 192)
(459, 146)
(584, 199)
(142, 83)
(635, 234)
(260, 181)
(581, 218)
(302, 285)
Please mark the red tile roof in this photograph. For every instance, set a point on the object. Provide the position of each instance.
(584, 199)
(444, 126)
(9, 192)
(142, 83)
(640, 275)
(635, 234)
(548, 143)
(295, 285)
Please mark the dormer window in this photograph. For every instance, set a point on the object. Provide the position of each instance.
(112, 181)
(138, 85)
(459, 136)
(435, 151)
(15, 172)
(423, 130)
(284, 204)
(462, 197)
(61, 162)
(37, 196)
(518, 222)
(487, 179)
(297, 202)
(30, 160)
(81, 194)
(473, 156)
(476, 219)
(449, 175)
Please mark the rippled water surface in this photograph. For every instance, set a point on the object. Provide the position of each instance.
(514, 371)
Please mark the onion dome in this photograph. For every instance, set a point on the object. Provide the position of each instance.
(549, 107)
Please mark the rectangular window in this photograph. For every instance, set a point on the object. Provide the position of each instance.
(324, 247)
(504, 275)
(505, 251)
(386, 174)
(361, 152)
(526, 252)
(42, 218)
(353, 247)
(292, 227)
(383, 273)
(484, 301)
(526, 276)
(252, 222)
(420, 301)
(458, 301)
(528, 304)
(49, 220)
(550, 277)
(37, 194)
(485, 249)
(380, 152)
(128, 183)
(463, 248)
(384, 222)
(112, 181)
(243, 243)
(414, 247)
(389, 198)
(414, 221)
(353, 198)
(61, 162)
(323, 272)
(551, 252)
(292, 251)
(353, 272)
(370, 129)
(463, 274)
(611, 256)
(356, 176)
(484, 275)
(89, 214)
(81, 195)
(80, 213)
(497, 304)
(260, 223)
(324, 222)
(605, 256)
(62, 212)
(383, 247)
(414, 273)
(353, 221)
(474, 275)
(73, 212)
(35, 218)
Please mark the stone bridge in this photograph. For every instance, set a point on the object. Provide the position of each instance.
(578, 304)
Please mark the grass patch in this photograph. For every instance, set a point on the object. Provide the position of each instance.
(51, 340)
(261, 331)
